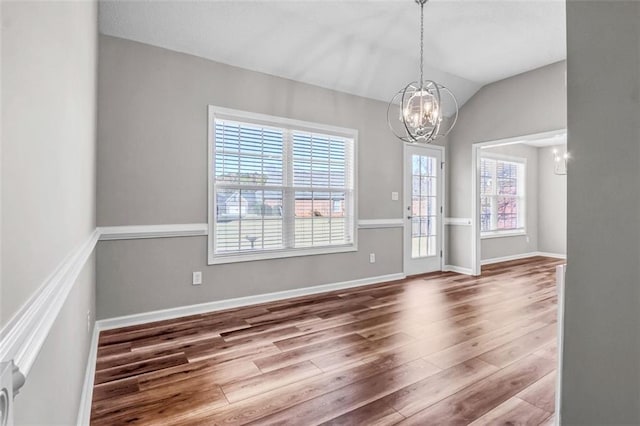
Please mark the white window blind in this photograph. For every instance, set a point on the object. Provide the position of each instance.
(502, 196)
(280, 188)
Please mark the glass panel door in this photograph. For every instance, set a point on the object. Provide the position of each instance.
(423, 198)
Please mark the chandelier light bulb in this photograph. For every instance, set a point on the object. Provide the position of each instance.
(560, 166)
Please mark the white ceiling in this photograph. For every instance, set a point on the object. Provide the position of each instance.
(365, 47)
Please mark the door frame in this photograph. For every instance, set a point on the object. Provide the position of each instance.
(407, 199)
(476, 244)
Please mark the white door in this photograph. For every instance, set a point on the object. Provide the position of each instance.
(423, 187)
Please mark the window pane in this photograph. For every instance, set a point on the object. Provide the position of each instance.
(424, 205)
(321, 219)
(507, 216)
(248, 220)
(246, 154)
(485, 213)
(487, 168)
(500, 198)
(319, 160)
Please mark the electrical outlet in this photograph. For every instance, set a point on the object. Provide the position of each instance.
(527, 238)
(88, 321)
(197, 278)
(372, 258)
(395, 196)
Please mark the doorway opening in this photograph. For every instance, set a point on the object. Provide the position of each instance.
(519, 194)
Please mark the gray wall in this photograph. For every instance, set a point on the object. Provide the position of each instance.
(528, 103)
(152, 169)
(552, 204)
(52, 392)
(601, 374)
(518, 244)
(49, 57)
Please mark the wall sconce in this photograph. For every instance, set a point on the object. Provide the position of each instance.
(560, 162)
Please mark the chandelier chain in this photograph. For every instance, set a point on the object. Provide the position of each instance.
(421, 44)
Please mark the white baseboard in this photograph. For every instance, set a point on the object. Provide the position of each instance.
(84, 411)
(521, 256)
(458, 269)
(219, 305)
(554, 255)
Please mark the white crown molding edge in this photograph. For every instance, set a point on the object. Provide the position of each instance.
(218, 305)
(459, 221)
(84, 410)
(23, 336)
(522, 256)
(130, 232)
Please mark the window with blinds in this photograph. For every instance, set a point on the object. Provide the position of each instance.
(502, 196)
(279, 187)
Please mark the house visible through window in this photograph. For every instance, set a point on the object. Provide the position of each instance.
(279, 187)
(502, 196)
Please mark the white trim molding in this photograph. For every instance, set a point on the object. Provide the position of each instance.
(23, 336)
(84, 411)
(380, 223)
(554, 255)
(219, 305)
(152, 231)
(459, 221)
(133, 232)
(457, 269)
(521, 256)
(561, 271)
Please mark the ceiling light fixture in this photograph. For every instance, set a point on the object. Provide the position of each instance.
(416, 114)
(560, 162)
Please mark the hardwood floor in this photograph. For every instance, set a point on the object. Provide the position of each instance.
(442, 349)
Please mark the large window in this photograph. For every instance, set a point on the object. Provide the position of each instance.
(502, 196)
(279, 187)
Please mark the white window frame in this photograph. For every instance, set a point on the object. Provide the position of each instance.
(523, 184)
(215, 112)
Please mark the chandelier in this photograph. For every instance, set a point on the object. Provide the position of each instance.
(423, 110)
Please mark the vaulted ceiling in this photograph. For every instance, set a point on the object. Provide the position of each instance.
(366, 47)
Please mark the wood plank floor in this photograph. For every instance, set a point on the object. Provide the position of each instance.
(441, 348)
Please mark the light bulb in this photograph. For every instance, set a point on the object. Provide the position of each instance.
(422, 112)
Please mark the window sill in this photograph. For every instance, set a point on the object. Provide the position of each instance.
(249, 257)
(521, 233)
